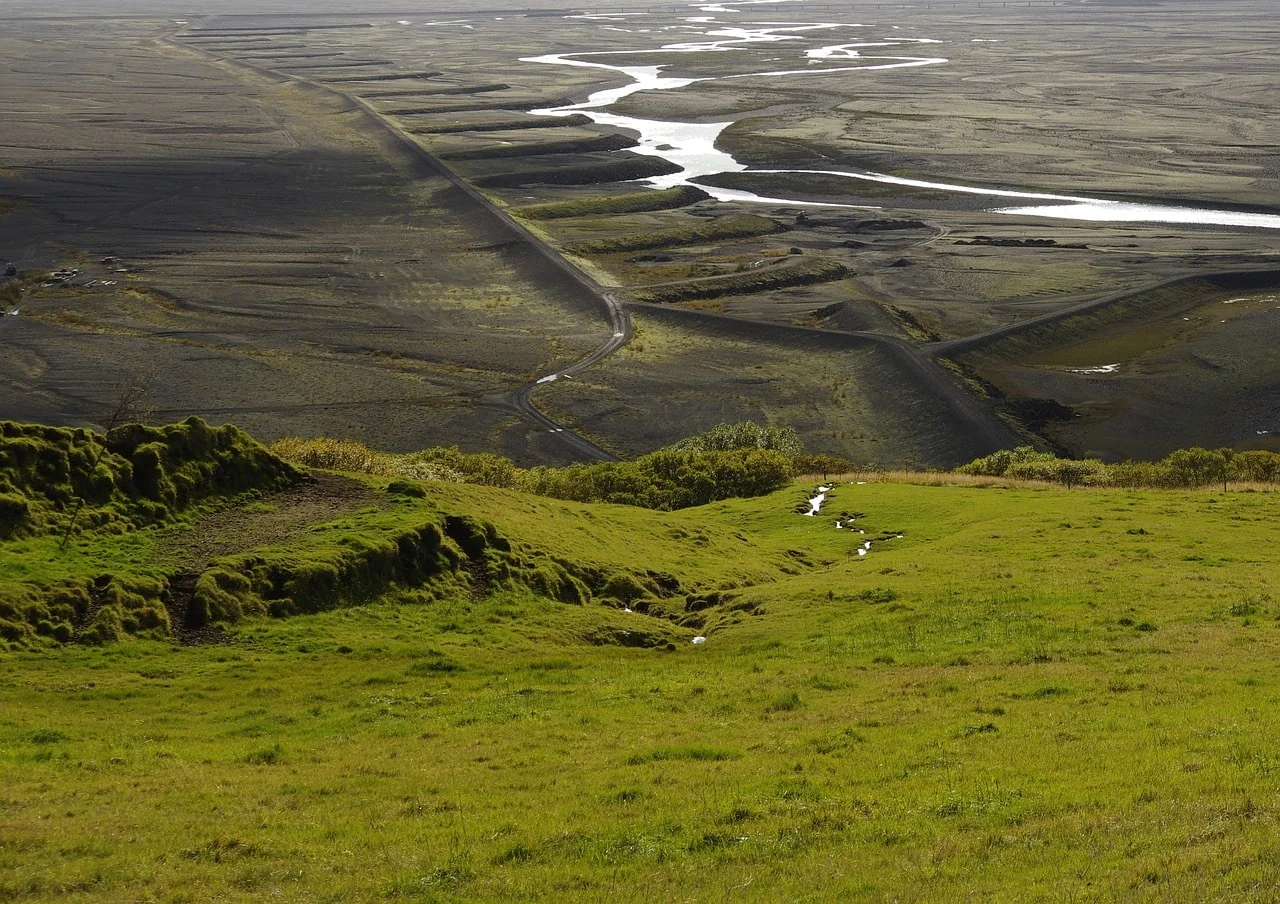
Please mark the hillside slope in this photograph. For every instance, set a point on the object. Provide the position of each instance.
(1012, 694)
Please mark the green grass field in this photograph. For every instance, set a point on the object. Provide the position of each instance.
(1034, 694)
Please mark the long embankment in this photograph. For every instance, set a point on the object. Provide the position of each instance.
(975, 414)
(1169, 297)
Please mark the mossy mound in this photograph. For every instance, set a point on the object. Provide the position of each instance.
(75, 482)
(457, 556)
(51, 477)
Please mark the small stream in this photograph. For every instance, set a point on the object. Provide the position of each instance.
(845, 521)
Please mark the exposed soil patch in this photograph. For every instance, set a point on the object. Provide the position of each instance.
(178, 601)
(275, 520)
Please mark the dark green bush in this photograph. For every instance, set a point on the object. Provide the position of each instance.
(667, 479)
(1194, 467)
(135, 476)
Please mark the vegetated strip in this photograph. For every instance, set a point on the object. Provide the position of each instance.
(805, 273)
(505, 106)
(355, 64)
(497, 125)
(738, 226)
(616, 142)
(1087, 319)
(436, 92)
(633, 202)
(621, 170)
(265, 45)
(270, 55)
(273, 30)
(391, 77)
(209, 42)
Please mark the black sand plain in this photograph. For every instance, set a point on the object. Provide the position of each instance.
(294, 267)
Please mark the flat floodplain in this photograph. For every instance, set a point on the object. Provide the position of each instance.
(1031, 694)
(933, 163)
(258, 250)
(307, 213)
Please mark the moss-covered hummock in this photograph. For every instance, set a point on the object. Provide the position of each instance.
(62, 489)
(134, 476)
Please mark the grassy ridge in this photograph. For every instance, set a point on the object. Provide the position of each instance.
(805, 273)
(1154, 304)
(1032, 695)
(635, 202)
(114, 487)
(736, 226)
(130, 478)
(532, 122)
(623, 169)
(616, 142)
(119, 579)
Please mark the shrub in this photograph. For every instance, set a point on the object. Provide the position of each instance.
(1196, 466)
(822, 464)
(444, 464)
(998, 463)
(667, 479)
(746, 435)
(1257, 465)
(331, 454)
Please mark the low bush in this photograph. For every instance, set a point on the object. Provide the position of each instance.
(1186, 468)
(667, 479)
(730, 460)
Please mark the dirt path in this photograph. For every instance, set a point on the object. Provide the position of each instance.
(274, 520)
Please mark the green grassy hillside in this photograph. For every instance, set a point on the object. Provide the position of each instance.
(1015, 694)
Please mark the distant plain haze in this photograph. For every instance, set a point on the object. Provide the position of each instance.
(201, 8)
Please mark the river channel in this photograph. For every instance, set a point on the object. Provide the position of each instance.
(692, 146)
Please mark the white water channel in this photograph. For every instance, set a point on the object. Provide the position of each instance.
(692, 146)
